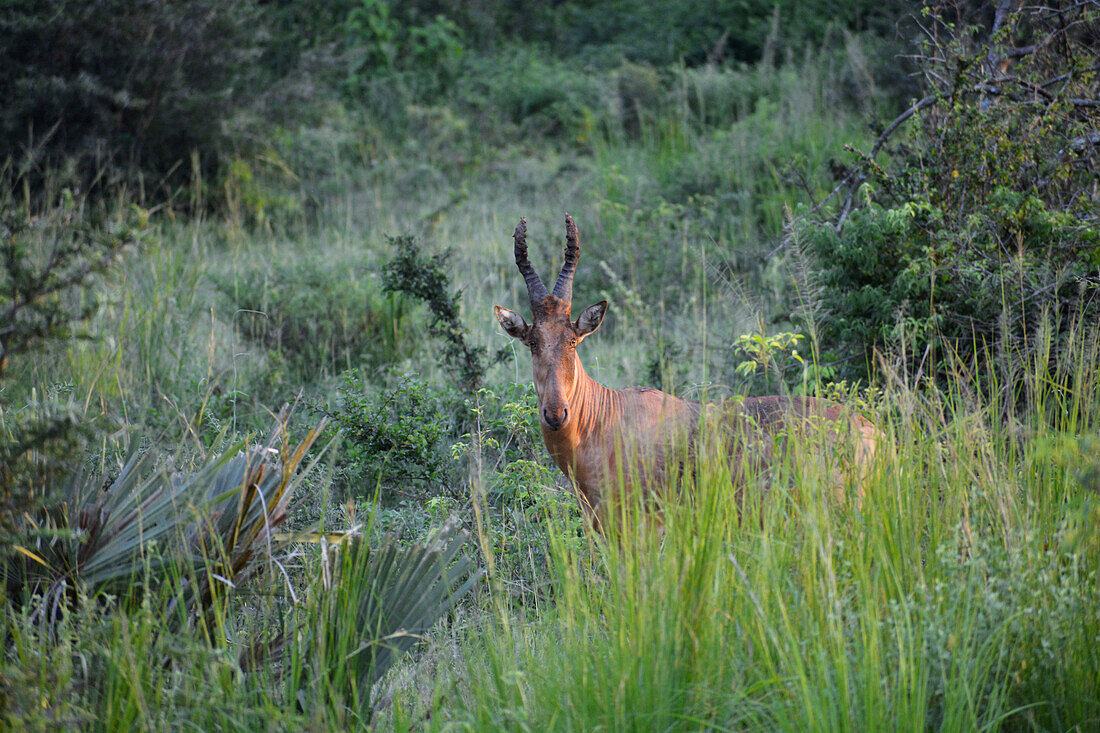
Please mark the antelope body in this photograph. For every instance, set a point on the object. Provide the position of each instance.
(603, 439)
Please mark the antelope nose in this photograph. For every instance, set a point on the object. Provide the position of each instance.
(555, 421)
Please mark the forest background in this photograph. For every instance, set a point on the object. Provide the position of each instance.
(267, 460)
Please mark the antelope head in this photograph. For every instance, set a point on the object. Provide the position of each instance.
(552, 336)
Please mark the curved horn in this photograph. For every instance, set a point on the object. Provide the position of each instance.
(564, 287)
(535, 289)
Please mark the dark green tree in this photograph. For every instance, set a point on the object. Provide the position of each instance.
(122, 86)
(50, 267)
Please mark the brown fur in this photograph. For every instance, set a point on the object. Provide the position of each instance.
(604, 438)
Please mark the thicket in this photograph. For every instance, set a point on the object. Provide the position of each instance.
(710, 31)
(114, 94)
(165, 98)
(981, 223)
(389, 34)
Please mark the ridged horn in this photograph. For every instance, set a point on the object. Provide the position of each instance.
(564, 287)
(535, 289)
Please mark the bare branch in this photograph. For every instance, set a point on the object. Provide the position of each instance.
(926, 102)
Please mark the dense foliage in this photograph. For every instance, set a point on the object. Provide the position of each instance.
(100, 92)
(155, 94)
(983, 224)
(314, 198)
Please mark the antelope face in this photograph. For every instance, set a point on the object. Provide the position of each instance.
(552, 337)
(553, 340)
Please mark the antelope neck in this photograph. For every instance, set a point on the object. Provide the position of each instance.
(591, 404)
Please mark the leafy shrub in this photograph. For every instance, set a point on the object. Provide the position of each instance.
(986, 222)
(99, 665)
(775, 355)
(910, 275)
(529, 516)
(537, 96)
(250, 198)
(50, 267)
(368, 37)
(641, 96)
(502, 427)
(95, 667)
(388, 437)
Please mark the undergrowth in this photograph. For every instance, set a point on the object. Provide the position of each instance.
(960, 595)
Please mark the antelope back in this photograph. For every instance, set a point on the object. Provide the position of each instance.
(765, 430)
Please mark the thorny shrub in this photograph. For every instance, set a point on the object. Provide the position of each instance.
(985, 221)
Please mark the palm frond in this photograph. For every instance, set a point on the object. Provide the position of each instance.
(379, 603)
(218, 517)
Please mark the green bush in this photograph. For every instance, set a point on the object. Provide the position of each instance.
(911, 276)
(536, 96)
(501, 427)
(95, 668)
(112, 88)
(367, 37)
(392, 440)
(984, 224)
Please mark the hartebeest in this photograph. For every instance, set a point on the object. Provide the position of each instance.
(603, 438)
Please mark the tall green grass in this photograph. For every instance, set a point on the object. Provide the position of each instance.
(954, 598)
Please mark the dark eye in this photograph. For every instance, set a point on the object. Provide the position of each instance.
(573, 342)
(533, 344)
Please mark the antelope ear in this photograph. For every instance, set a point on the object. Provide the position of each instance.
(512, 322)
(591, 318)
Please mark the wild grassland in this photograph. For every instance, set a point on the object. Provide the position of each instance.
(959, 596)
(963, 594)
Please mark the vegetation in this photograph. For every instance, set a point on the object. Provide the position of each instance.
(106, 91)
(980, 226)
(213, 210)
(47, 288)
